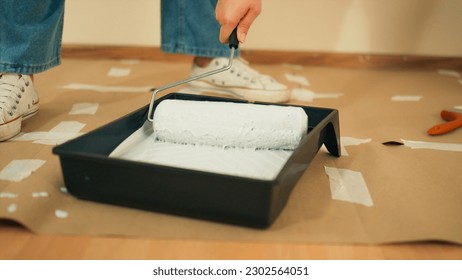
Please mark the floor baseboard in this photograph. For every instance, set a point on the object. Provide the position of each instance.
(348, 60)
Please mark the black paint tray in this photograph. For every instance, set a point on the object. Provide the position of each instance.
(89, 173)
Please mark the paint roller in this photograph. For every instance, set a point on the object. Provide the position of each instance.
(226, 124)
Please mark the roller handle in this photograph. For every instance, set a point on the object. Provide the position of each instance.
(233, 41)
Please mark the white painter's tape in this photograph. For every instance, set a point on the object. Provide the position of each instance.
(61, 133)
(39, 194)
(453, 147)
(8, 195)
(12, 208)
(84, 109)
(448, 72)
(119, 72)
(306, 95)
(61, 214)
(17, 170)
(406, 98)
(351, 141)
(76, 86)
(297, 79)
(68, 126)
(348, 185)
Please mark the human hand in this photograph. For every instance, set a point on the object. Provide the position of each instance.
(240, 13)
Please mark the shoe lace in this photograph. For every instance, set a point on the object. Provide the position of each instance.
(11, 91)
(242, 69)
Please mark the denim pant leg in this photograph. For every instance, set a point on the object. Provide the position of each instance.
(190, 27)
(30, 35)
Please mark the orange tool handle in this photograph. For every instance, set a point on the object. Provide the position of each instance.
(454, 121)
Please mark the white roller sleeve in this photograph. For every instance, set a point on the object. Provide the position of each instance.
(228, 124)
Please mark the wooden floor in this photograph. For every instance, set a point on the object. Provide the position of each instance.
(18, 243)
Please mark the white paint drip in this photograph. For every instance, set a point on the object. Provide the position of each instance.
(406, 98)
(119, 72)
(97, 88)
(61, 133)
(348, 185)
(63, 190)
(61, 214)
(306, 95)
(453, 147)
(8, 195)
(39, 194)
(84, 109)
(18, 170)
(297, 79)
(448, 72)
(12, 208)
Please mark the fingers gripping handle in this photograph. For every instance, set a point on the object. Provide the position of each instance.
(233, 41)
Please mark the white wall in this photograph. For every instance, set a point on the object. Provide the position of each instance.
(420, 27)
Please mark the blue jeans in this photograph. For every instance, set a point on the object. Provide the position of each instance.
(31, 32)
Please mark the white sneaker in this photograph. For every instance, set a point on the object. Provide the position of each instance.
(18, 101)
(240, 81)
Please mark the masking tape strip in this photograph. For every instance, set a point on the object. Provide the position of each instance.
(77, 86)
(297, 79)
(39, 194)
(8, 195)
(406, 98)
(61, 133)
(348, 185)
(453, 147)
(17, 170)
(119, 72)
(349, 141)
(84, 109)
(447, 72)
(306, 95)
